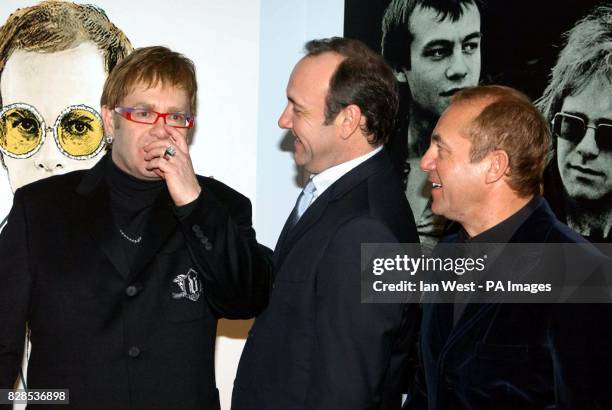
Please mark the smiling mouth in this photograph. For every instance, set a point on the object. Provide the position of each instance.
(435, 185)
(450, 92)
(586, 171)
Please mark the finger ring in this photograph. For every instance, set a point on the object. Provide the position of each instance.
(170, 151)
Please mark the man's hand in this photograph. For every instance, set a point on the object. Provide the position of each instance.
(176, 170)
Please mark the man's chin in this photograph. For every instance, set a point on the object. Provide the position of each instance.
(589, 199)
(149, 176)
(142, 174)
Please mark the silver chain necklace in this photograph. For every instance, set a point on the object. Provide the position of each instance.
(137, 240)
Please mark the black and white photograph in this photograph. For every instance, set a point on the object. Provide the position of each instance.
(558, 53)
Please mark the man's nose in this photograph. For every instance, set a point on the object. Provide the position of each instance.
(458, 68)
(587, 147)
(284, 121)
(49, 158)
(428, 161)
(158, 129)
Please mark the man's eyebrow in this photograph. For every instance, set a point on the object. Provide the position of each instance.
(292, 101)
(586, 119)
(580, 115)
(151, 107)
(438, 43)
(177, 110)
(145, 105)
(472, 36)
(437, 139)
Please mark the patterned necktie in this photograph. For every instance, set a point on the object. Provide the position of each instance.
(303, 202)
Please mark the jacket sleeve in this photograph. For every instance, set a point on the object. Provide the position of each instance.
(14, 292)
(237, 270)
(356, 343)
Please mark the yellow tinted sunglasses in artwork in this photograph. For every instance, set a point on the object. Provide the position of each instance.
(78, 131)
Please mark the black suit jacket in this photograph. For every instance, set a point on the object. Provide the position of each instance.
(518, 356)
(316, 346)
(118, 338)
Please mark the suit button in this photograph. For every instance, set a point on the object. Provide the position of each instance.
(134, 352)
(199, 234)
(131, 290)
(196, 228)
(208, 246)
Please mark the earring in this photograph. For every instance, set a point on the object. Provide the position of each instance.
(108, 139)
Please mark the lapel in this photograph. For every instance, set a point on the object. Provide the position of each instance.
(96, 216)
(289, 236)
(471, 315)
(99, 222)
(533, 230)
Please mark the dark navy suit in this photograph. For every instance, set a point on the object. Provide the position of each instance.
(316, 346)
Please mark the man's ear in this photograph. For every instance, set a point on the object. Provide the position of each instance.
(108, 119)
(499, 166)
(349, 120)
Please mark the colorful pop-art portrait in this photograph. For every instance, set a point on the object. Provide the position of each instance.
(54, 58)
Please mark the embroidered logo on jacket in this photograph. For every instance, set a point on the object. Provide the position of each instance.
(190, 285)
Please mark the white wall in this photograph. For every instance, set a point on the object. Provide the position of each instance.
(244, 51)
(285, 27)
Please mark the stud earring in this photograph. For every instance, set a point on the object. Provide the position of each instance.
(109, 139)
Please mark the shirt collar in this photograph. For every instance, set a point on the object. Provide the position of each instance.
(325, 179)
(503, 231)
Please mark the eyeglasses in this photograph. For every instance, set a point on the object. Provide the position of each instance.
(145, 116)
(78, 131)
(573, 129)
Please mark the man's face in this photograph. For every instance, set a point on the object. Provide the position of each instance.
(444, 56)
(586, 167)
(316, 144)
(49, 83)
(130, 138)
(458, 185)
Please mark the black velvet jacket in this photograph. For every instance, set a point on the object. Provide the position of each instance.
(121, 336)
(517, 356)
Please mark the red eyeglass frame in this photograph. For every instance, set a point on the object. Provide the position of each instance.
(126, 112)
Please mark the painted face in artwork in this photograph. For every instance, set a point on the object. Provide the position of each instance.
(50, 122)
(444, 56)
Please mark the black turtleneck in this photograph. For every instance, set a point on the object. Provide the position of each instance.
(131, 202)
(503, 231)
